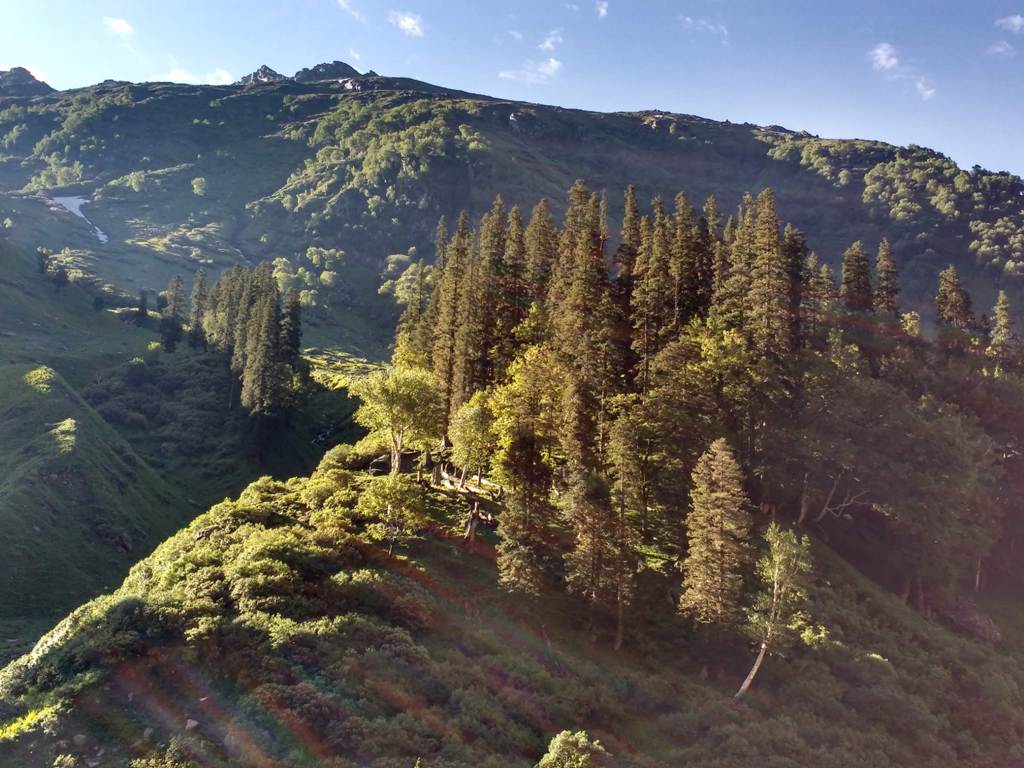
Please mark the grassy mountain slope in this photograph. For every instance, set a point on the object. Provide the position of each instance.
(269, 633)
(368, 164)
(77, 505)
(108, 446)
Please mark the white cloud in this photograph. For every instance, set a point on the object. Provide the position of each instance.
(710, 27)
(552, 41)
(1002, 49)
(179, 75)
(119, 27)
(351, 10)
(1013, 23)
(883, 57)
(601, 8)
(924, 88)
(409, 23)
(516, 35)
(354, 54)
(533, 72)
(572, 6)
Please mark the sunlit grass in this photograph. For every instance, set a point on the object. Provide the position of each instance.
(64, 433)
(40, 379)
(36, 718)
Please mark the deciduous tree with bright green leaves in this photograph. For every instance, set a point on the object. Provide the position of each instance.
(777, 614)
(394, 505)
(401, 407)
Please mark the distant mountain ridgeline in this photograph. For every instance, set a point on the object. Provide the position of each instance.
(366, 164)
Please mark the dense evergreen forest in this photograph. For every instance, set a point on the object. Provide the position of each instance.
(596, 480)
(708, 364)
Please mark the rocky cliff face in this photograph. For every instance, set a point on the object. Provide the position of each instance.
(20, 82)
(326, 71)
(262, 75)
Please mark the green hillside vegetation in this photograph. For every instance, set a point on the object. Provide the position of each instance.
(180, 175)
(697, 500)
(290, 640)
(78, 505)
(120, 444)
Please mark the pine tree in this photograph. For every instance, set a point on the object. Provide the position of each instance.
(713, 217)
(652, 305)
(513, 299)
(449, 289)
(855, 289)
(1003, 344)
(718, 532)
(794, 249)
(173, 314)
(541, 251)
(474, 326)
(813, 302)
(263, 380)
(953, 303)
(629, 247)
(829, 289)
(590, 564)
(291, 330)
(707, 244)
(197, 314)
(685, 264)
(240, 316)
(583, 334)
(732, 289)
(768, 313)
(886, 282)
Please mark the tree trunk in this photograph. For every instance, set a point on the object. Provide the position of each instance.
(474, 519)
(462, 479)
(977, 576)
(753, 670)
(905, 590)
(396, 457)
(805, 503)
(620, 616)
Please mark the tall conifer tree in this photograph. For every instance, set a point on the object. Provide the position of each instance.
(718, 530)
(197, 313)
(446, 328)
(768, 303)
(887, 287)
(855, 289)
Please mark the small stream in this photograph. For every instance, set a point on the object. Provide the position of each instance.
(74, 205)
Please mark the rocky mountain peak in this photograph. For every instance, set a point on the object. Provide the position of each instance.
(262, 75)
(326, 71)
(18, 81)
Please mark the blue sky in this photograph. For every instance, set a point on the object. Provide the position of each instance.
(941, 73)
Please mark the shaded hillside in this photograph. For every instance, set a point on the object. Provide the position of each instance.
(366, 164)
(77, 505)
(270, 632)
(109, 445)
